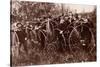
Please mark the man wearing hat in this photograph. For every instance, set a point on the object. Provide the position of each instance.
(21, 36)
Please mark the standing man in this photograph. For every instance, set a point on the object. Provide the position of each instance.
(60, 35)
(21, 36)
(28, 34)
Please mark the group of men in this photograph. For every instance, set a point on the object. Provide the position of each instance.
(28, 32)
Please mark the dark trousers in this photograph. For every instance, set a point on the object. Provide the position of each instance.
(24, 46)
(61, 44)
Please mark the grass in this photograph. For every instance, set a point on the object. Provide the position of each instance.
(49, 55)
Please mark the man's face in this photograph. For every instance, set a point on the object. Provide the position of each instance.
(61, 17)
(19, 25)
(66, 18)
(70, 14)
(79, 16)
(27, 23)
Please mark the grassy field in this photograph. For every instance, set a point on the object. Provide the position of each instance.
(49, 55)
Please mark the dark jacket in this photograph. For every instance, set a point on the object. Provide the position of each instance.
(21, 35)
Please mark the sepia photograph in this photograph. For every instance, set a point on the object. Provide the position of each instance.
(43, 33)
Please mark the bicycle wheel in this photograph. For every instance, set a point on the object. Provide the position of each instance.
(81, 38)
(14, 44)
(87, 36)
(74, 41)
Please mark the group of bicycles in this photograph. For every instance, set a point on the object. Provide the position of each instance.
(69, 32)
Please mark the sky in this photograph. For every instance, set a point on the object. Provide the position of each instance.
(80, 8)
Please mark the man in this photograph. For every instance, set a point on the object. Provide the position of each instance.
(21, 36)
(40, 37)
(60, 34)
(28, 35)
(71, 19)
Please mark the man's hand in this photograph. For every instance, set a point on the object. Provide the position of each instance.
(36, 28)
(18, 43)
(25, 38)
(32, 40)
(61, 32)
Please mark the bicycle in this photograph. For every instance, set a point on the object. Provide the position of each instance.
(81, 38)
